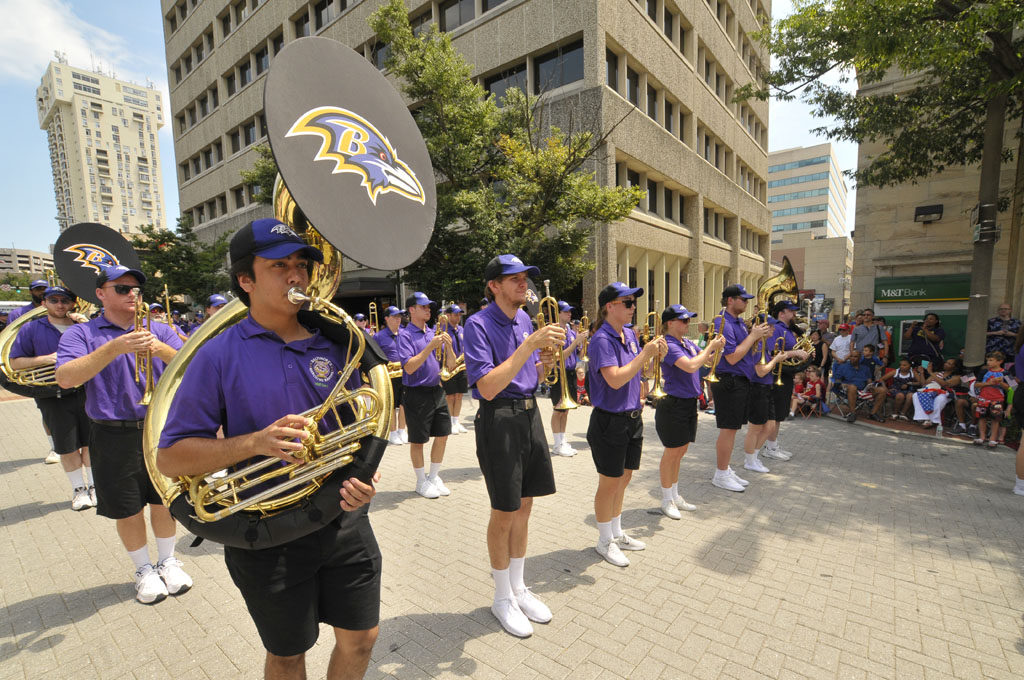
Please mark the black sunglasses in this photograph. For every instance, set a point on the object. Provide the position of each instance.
(123, 288)
(628, 304)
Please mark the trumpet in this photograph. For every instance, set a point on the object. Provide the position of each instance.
(445, 326)
(761, 346)
(144, 359)
(780, 346)
(374, 319)
(717, 324)
(647, 335)
(548, 316)
(585, 345)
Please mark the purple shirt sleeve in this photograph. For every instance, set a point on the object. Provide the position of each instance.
(479, 359)
(72, 345)
(199, 402)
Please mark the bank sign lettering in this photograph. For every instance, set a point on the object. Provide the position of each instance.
(923, 288)
(902, 293)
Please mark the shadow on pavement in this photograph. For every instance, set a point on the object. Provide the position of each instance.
(20, 513)
(15, 465)
(408, 644)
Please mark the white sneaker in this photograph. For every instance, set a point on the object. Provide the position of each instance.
(732, 473)
(609, 550)
(174, 577)
(405, 437)
(461, 429)
(756, 466)
(149, 587)
(723, 480)
(92, 496)
(683, 505)
(395, 439)
(776, 453)
(426, 489)
(534, 609)
(563, 450)
(1018, 489)
(627, 543)
(51, 458)
(439, 486)
(81, 500)
(669, 509)
(512, 618)
(454, 429)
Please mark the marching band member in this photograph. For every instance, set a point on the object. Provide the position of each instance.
(387, 338)
(157, 312)
(37, 289)
(560, 416)
(734, 405)
(362, 322)
(426, 411)
(676, 416)
(64, 414)
(504, 364)
(214, 304)
(784, 312)
(332, 574)
(616, 431)
(458, 385)
(102, 354)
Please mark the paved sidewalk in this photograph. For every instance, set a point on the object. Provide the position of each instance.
(866, 556)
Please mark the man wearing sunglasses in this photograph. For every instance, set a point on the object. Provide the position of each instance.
(102, 355)
(63, 413)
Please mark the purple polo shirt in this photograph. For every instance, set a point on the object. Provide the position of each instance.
(220, 387)
(1018, 364)
(411, 341)
(19, 311)
(779, 330)
(490, 339)
(735, 332)
(680, 383)
(458, 339)
(37, 338)
(570, 357)
(388, 342)
(112, 394)
(608, 349)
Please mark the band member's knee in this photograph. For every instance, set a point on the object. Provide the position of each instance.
(356, 644)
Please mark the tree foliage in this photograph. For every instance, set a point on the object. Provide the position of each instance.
(181, 260)
(508, 180)
(262, 174)
(961, 53)
(19, 285)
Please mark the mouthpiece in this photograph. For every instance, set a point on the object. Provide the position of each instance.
(297, 297)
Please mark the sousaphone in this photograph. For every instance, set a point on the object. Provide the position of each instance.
(355, 176)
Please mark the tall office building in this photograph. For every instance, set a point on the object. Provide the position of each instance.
(806, 191)
(672, 65)
(104, 152)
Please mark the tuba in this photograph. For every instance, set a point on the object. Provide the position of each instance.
(264, 502)
(782, 286)
(39, 381)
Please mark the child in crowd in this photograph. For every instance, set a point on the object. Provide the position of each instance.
(904, 384)
(869, 356)
(812, 392)
(798, 393)
(991, 398)
(581, 386)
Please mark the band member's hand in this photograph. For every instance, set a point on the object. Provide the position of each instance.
(798, 353)
(762, 330)
(78, 318)
(136, 341)
(547, 336)
(356, 494)
(547, 357)
(583, 334)
(657, 347)
(438, 339)
(47, 359)
(278, 438)
(717, 343)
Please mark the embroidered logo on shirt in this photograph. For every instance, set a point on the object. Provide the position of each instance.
(526, 334)
(322, 369)
(632, 346)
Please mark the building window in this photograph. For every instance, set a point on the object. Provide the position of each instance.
(225, 24)
(652, 102)
(262, 60)
(558, 67)
(277, 43)
(668, 204)
(236, 141)
(670, 117)
(632, 178)
(652, 196)
(633, 86)
(239, 194)
(204, 107)
(500, 83)
(208, 158)
(197, 166)
(491, 4)
(652, 10)
(420, 23)
(245, 73)
(250, 133)
(301, 27)
(229, 83)
(379, 55)
(455, 13)
(669, 21)
(612, 63)
(323, 13)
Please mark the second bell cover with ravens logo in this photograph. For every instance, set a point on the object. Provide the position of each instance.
(350, 152)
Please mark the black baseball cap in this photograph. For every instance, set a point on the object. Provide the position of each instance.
(736, 290)
(613, 291)
(503, 265)
(676, 312)
(781, 305)
(271, 239)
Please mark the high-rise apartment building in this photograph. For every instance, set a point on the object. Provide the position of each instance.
(671, 65)
(18, 261)
(104, 152)
(806, 191)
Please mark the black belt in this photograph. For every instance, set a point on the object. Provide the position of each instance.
(514, 404)
(121, 424)
(634, 414)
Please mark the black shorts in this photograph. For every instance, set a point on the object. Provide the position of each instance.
(616, 441)
(675, 419)
(556, 389)
(513, 452)
(759, 403)
(781, 397)
(397, 390)
(426, 414)
(66, 420)
(331, 575)
(123, 487)
(730, 394)
(459, 384)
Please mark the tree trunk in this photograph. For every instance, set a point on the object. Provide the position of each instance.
(1014, 266)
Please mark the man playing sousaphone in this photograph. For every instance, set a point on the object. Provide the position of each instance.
(251, 380)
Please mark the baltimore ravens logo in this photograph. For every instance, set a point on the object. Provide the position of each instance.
(92, 256)
(531, 297)
(284, 230)
(321, 368)
(356, 146)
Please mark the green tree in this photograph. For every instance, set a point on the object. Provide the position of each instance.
(182, 261)
(262, 174)
(18, 286)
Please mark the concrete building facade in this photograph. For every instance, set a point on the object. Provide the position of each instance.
(104, 151)
(806, 191)
(664, 71)
(18, 261)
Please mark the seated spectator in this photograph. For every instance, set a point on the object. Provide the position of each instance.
(841, 346)
(813, 391)
(1002, 331)
(926, 341)
(869, 356)
(937, 385)
(798, 390)
(581, 386)
(904, 384)
(992, 391)
(853, 376)
(966, 399)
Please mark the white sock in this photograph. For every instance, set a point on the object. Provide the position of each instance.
(50, 438)
(675, 490)
(401, 432)
(604, 532)
(617, 526)
(559, 438)
(666, 494)
(140, 557)
(434, 469)
(164, 548)
(76, 479)
(455, 421)
(751, 458)
(502, 584)
(1020, 482)
(88, 475)
(721, 473)
(421, 474)
(772, 443)
(516, 567)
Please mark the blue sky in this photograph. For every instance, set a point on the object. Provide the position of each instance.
(126, 36)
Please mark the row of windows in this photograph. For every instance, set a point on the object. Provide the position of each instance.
(662, 200)
(794, 226)
(243, 136)
(675, 117)
(218, 206)
(87, 88)
(551, 70)
(84, 78)
(668, 22)
(801, 210)
(800, 179)
(803, 163)
(810, 193)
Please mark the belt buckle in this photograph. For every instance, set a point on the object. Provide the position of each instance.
(528, 404)
(635, 413)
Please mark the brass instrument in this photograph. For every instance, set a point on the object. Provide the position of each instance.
(780, 346)
(143, 360)
(779, 287)
(585, 344)
(444, 325)
(374, 319)
(649, 333)
(36, 376)
(717, 324)
(548, 316)
(761, 347)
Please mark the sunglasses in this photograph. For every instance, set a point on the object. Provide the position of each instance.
(59, 300)
(628, 304)
(123, 288)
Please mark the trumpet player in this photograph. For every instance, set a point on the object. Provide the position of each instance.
(331, 574)
(675, 417)
(505, 358)
(63, 414)
(559, 415)
(103, 354)
(457, 385)
(783, 311)
(426, 410)
(387, 338)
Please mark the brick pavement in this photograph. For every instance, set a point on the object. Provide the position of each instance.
(869, 555)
